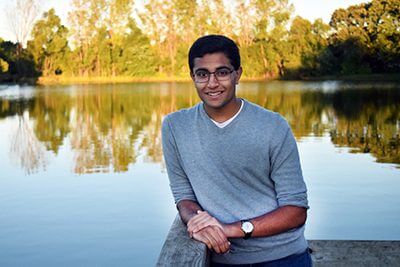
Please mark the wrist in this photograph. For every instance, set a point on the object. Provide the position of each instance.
(233, 230)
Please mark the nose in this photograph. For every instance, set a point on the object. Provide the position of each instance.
(212, 82)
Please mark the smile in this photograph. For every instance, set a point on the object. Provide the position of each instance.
(214, 93)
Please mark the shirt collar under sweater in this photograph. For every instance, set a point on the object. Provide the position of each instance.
(225, 123)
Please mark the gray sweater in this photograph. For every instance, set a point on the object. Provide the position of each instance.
(241, 171)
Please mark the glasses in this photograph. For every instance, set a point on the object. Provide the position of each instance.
(203, 76)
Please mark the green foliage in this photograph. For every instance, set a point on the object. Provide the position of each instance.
(367, 35)
(306, 43)
(138, 60)
(49, 45)
(3, 66)
(111, 38)
(17, 61)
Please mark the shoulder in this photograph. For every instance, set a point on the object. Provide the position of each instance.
(266, 117)
(181, 117)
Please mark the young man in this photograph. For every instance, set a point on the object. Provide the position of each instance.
(234, 168)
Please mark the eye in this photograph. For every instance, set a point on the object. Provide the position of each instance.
(201, 74)
(223, 72)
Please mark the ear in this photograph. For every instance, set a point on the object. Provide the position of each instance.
(238, 75)
(192, 75)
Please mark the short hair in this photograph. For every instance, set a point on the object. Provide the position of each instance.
(209, 44)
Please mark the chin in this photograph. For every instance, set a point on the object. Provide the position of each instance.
(214, 105)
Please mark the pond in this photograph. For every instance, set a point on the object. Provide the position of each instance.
(83, 182)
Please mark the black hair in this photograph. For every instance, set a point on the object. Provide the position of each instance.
(213, 44)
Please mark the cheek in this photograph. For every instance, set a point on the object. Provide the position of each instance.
(199, 87)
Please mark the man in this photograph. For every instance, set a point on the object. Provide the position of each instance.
(234, 168)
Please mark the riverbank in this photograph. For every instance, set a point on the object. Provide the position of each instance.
(54, 80)
(378, 77)
(66, 80)
(392, 77)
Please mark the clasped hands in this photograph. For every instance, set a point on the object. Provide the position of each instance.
(208, 230)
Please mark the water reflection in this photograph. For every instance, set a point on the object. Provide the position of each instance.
(107, 127)
(26, 149)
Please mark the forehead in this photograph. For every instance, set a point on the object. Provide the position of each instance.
(212, 61)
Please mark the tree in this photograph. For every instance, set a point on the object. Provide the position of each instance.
(49, 45)
(4, 66)
(83, 20)
(137, 58)
(371, 32)
(160, 20)
(98, 29)
(21, 18)
(270, 35)
(306, 42)
(116, 18)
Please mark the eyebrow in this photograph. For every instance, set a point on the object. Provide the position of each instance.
(219, 68)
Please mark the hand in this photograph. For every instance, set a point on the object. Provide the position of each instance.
(201, 220)
(214, 238)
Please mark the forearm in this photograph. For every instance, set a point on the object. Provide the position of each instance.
(278, 221)
(187, 209)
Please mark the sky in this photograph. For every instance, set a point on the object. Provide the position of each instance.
(309, 9)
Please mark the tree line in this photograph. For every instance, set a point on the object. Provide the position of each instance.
(111, 38)
(110, 127)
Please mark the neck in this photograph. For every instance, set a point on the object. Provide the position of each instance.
(224, 113)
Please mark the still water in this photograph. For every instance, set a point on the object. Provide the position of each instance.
(83, 182)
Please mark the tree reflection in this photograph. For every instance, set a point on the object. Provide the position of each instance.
(26, 149)
(109, 127)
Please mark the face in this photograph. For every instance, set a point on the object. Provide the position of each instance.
(216, 95)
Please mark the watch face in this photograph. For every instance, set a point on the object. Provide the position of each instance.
(247, 227)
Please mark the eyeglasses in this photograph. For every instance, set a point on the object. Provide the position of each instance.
(203, 76)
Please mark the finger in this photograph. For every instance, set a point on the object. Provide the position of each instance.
(203, 224)
(190, 233)
(198, 217)
(200, 223)
(214, 239)
(223, 242)
(195, 219)
(202, 237)
(208, 240)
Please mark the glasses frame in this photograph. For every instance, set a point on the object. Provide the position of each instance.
(213, 73)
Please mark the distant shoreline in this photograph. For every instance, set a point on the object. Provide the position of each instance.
(379, 77)
(64, 80)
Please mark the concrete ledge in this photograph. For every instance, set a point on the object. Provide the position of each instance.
(337, 253)
(180, 250)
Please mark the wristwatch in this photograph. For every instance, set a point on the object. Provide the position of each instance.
(247, 228)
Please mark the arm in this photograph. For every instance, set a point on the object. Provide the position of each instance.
(184, 196)
(278, 221)
(179, 182)
(290, 193)
(188, 209)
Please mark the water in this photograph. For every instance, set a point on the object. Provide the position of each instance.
(83, 183)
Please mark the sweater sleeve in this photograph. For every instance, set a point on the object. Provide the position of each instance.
(286, 170)
(179, 182)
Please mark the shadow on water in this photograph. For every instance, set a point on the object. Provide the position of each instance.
(107, 127)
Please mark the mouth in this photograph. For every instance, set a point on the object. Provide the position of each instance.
(214, 94)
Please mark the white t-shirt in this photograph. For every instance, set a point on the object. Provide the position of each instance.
(225, 123)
